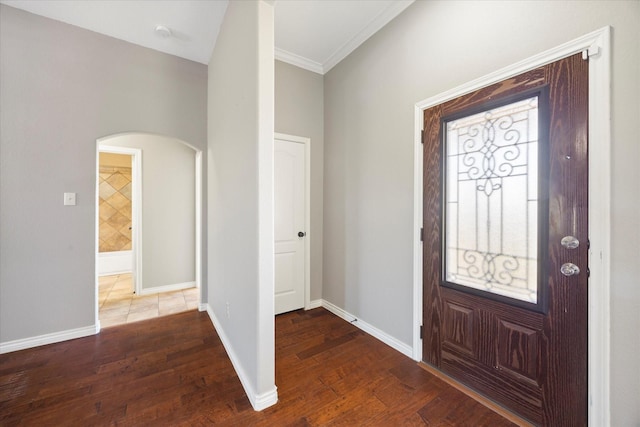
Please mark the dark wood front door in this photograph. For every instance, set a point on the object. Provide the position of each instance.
(505, 233)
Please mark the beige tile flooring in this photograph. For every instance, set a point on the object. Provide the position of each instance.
(118, 304)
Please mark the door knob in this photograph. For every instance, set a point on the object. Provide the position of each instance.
(569, 269)
(301, 233)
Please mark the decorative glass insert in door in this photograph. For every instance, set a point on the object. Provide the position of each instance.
(492, 207)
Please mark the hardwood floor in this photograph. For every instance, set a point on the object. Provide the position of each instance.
(175, 371)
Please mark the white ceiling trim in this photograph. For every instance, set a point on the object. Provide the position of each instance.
(298, 61)
(382, 19)
(374, 26)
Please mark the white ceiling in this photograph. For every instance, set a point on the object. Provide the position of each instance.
(312, 34)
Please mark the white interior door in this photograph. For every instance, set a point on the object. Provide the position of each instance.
(290, 233)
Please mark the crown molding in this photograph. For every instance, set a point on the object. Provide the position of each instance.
(298, 61)
(383, 18)
(373, 27)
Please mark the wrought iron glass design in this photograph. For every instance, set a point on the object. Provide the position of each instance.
(491, 200)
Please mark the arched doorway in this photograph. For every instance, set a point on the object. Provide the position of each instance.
(165, 249)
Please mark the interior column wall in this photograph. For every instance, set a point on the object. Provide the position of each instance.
(240, 190)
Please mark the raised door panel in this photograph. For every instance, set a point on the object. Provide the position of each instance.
(458, 327)
(517, 348)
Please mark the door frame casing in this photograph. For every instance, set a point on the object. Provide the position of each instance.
(307, 210)
(594, 46)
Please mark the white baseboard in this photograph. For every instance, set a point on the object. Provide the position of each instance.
(316, 303)
(55, 337)
(110, 263)
(371, 330)
(167, 288)
(258, 401)
(265, 400)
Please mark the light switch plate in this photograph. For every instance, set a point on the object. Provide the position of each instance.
(69, 199)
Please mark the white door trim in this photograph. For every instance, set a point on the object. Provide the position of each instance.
(136, 208)
(307, 211)
(198, 199)
(596, 47)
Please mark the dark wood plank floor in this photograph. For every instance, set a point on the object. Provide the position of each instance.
(174, 371)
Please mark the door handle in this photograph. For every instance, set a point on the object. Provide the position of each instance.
(301, 234)
(569, 269)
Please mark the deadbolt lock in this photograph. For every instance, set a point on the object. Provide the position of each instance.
(570, 242)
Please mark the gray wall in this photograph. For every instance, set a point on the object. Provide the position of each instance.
(369, 105)
(62, 88)
(240, 128)
(168, 208)
(299, 111)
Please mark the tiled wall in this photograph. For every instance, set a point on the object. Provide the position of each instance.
(115, 208)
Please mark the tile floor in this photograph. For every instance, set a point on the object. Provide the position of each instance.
(118, 304)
